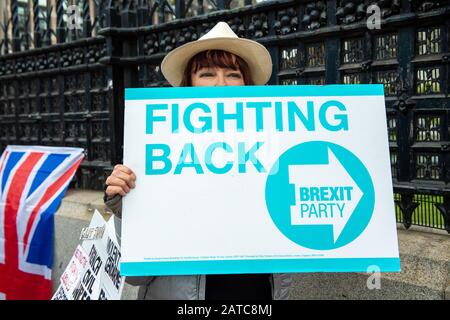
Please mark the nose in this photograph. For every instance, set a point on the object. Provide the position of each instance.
(220, 81)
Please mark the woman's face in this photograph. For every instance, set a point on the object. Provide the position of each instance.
(217, 76)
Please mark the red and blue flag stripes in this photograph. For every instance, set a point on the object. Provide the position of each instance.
(33, 181)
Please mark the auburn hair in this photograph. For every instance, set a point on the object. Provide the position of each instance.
(215, 59)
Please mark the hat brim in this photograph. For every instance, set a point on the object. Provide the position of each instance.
(255, 54)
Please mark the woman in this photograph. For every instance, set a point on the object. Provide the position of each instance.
(219, 58)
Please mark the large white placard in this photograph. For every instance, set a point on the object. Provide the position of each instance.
(258, 179)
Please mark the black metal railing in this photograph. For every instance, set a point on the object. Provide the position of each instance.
(62, 86)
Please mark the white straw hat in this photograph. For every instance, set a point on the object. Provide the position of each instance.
(221, 37)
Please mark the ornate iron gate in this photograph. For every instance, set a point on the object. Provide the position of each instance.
(66, 87)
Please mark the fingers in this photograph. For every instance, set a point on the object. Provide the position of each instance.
(113, 190)
(128, 178)
(117, 182)
(122, 168)
(121, 180)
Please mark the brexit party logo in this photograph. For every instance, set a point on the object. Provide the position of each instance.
(320, 195)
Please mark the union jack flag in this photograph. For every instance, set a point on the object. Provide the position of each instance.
(33, 181)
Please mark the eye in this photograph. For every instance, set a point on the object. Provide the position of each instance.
(206, 74)
(235, 75)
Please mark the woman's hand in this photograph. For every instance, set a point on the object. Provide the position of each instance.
(121, 181)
